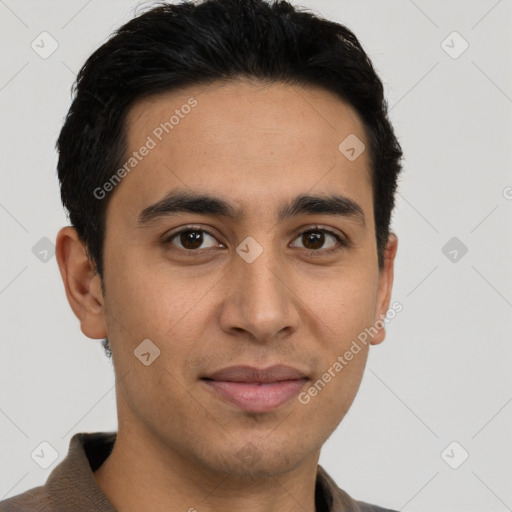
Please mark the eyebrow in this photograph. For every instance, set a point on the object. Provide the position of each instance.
(178, 201)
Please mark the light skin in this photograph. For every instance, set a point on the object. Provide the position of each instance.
(257, 147)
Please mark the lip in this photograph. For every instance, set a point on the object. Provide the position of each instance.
(251, 374)
(256, 390)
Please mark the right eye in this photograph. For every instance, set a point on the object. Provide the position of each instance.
(190, 239)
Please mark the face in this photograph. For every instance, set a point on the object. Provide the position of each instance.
(249, 282)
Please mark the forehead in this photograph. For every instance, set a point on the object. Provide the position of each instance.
(248, 140)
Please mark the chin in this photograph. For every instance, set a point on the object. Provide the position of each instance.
(253, 460)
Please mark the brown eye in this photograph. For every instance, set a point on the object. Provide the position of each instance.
(314, 240)
(191, 239)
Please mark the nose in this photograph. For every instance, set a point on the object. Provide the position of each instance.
(260, 300)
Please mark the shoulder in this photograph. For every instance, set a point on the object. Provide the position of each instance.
(32, 500)
(70, 486)
(367, 507)
(337, 499)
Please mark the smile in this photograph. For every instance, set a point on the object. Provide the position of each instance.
(256, 396)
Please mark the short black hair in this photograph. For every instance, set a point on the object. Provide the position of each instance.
(171, 46)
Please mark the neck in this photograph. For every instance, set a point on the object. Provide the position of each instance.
(141, 476)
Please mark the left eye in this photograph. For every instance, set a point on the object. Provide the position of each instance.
(315, 238)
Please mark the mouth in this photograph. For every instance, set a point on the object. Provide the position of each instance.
(256, 390)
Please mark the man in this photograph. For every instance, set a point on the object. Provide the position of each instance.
(229, 172)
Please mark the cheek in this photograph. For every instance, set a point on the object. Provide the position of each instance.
(152, 301)
(344, 305)
(343, 310)
(330, 394)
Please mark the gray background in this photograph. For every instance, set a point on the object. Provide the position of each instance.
(444, 372)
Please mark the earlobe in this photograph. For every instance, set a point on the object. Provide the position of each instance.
(385, 288)
(82, 284)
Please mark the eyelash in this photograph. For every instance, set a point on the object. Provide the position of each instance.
(342, 242)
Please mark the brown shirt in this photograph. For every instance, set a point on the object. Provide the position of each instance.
(71, 487)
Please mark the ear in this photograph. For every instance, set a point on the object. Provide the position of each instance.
(385, 287)
(82, 283)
